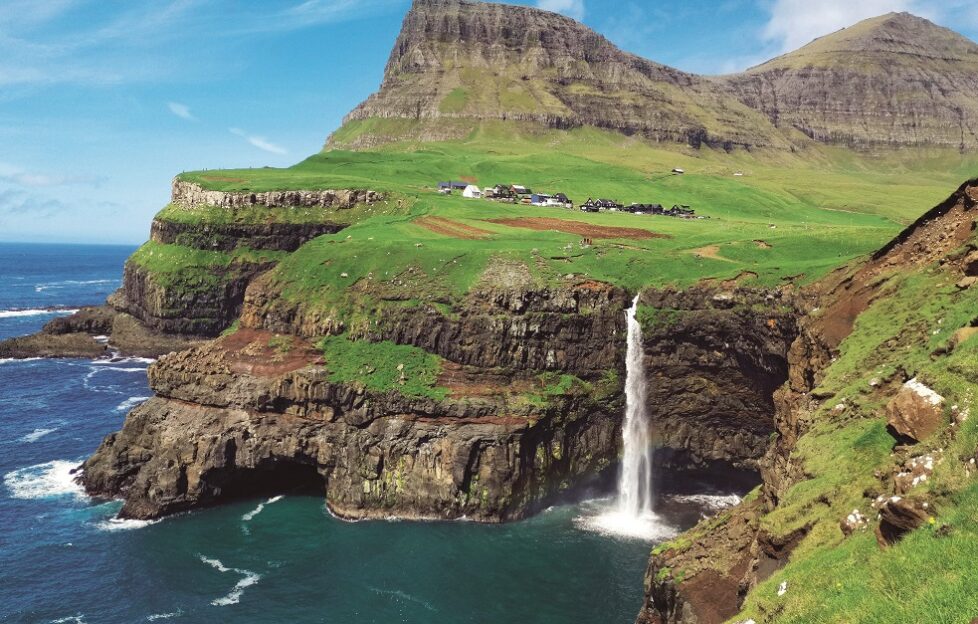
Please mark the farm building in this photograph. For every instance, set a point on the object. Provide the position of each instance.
(472, 192)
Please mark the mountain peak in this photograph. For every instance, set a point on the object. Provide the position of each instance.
(899, 34)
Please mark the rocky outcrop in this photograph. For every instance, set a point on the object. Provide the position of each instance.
(892, 81)
(714, 358)
(457, 60)
(188, 305)
(723, 553)
(577, 328)
(234, 417)
(192, 195)
(895, 80)
(231, 236)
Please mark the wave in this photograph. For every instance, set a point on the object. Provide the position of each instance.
(123, 524)
(73, 619)
(35, 312)
(164, 616)
(118, 369)
(248, 578)
(37, 434)
(130, 403)
(9, 360)
(122, 360)
(69, 283)
(48, 480)
(261, 506)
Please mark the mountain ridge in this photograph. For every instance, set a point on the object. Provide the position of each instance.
(456, 63)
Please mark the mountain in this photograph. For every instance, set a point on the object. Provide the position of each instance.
(896, 80)
(457, 62)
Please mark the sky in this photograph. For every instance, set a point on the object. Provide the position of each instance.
(102, 102)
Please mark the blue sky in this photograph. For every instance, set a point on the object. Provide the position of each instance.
(103, 101)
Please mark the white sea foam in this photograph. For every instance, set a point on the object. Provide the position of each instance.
(69, 283)
(248, 578)
(48, 480)
(35, 312)
(9, 360)
(114, 361)
(73, 619)
(123, 524)
(37, 434)
(617, 523)
(164, 616)
(261, 506)
(130, 403)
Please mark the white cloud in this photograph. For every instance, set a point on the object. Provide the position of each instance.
(571, 8)
(794, 23)
(181, 110)
(22, 177)
(259, 142)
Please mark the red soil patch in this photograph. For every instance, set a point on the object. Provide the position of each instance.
(264, 354)
(464, 381)
(569, 226)
(454, 229)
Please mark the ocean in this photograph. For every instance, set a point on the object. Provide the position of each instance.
(285, 559)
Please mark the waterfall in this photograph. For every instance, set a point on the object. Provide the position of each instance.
(635, 479)
(631, 515)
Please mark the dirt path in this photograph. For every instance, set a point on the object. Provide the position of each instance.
(711, 252)
(569, 226)
(454, 229)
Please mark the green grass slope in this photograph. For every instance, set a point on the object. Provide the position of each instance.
(788, 217)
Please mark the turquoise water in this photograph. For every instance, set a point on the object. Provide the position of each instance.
(288, 560)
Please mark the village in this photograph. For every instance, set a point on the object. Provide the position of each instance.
(519, 194)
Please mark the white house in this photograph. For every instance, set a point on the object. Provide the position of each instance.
(472, 192)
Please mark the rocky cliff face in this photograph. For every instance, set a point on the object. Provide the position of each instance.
(232, 418)
(892, 81)
(236, 412)
(895, 80)
(461, 60)
(724, 558)
(191, 195)
(714, 358)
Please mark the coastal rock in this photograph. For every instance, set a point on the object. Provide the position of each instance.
(216, 431)
(899, 516)
(915, 412)
(192, 195)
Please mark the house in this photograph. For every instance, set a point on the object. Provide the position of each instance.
(609, 204)
(563, 200)
(451, 186)
(472, 192)
(679, 171)
(590, 206)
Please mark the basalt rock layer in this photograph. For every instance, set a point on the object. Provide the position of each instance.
(892, 81)
(236, 411)
(232, 418)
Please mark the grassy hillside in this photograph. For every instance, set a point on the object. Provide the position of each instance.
(788, 217)
(929, 576)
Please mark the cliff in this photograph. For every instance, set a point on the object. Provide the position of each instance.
(460, 60)
(895, 80)
(892, 81)
(493, 435)
(846, 497)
